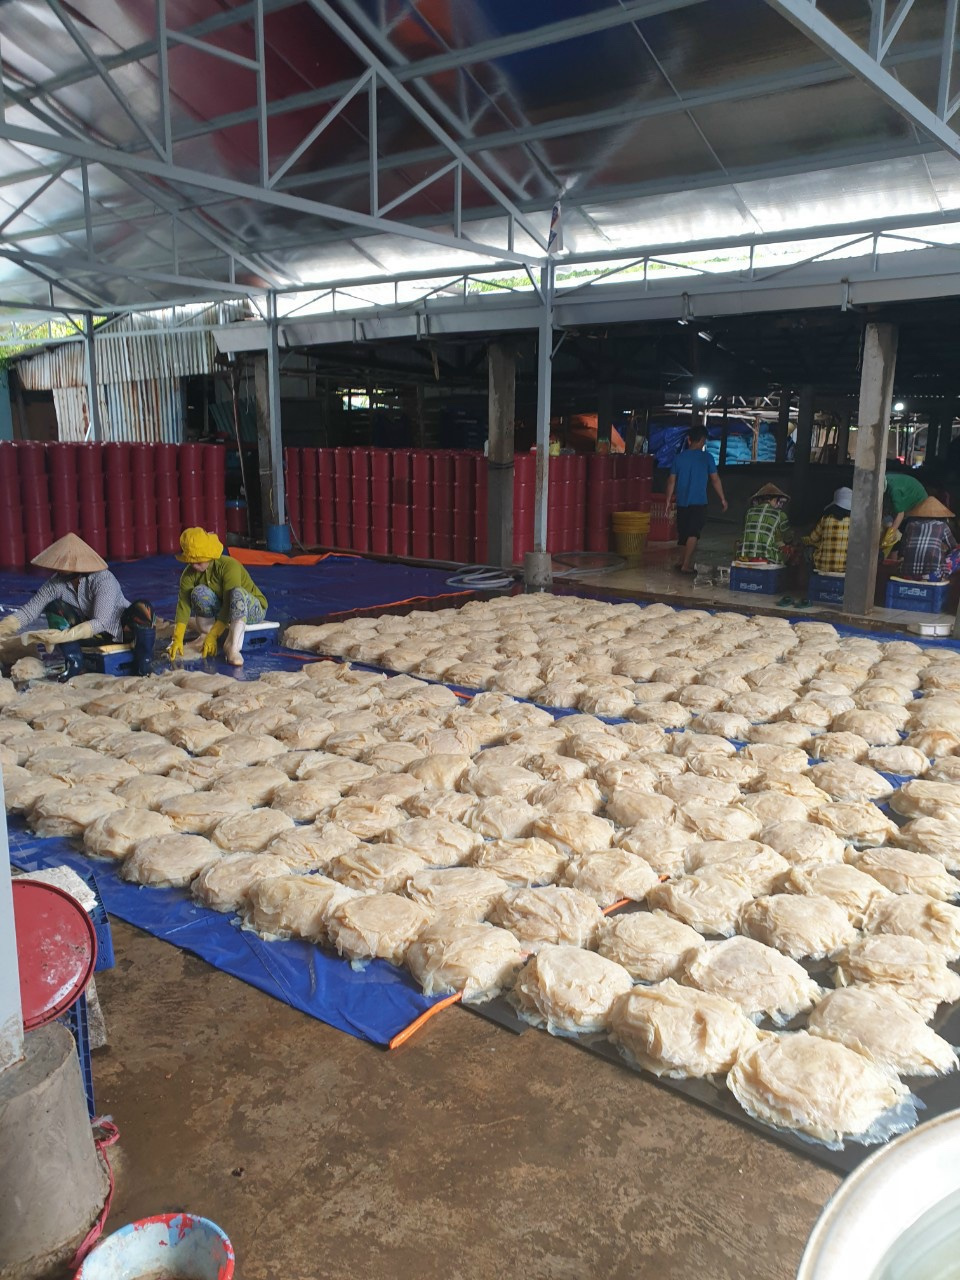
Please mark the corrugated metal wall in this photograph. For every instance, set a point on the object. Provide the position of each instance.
(139, 372)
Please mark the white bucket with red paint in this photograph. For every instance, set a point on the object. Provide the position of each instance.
(171, 1246)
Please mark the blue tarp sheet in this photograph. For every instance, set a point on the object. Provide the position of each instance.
(338, 584)
(373, 1005)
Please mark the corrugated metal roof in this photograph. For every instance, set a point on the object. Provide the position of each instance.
(658, 120)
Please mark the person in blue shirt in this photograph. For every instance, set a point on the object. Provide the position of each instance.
(691, 471)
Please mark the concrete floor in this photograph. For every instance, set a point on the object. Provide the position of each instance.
(467, 1154)
(656, 576)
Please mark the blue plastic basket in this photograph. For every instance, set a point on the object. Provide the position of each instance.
(101, 925)
(762, 579)
(920, 597)
(75, 1020)
(827, 588)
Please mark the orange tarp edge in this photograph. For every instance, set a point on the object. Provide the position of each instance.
(403, 1036)
(247, 556)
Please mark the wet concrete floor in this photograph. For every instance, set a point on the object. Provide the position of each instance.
(468, 1154)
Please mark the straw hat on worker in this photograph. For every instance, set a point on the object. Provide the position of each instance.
(82, 601)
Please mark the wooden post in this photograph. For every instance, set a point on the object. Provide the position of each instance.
(870, 466)
(501, 394)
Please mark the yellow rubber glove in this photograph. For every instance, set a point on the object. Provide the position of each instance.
(175, 649)
(212, 639)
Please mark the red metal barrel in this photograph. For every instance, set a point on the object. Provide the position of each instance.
(400, 529)
(144, 541)
(291, 473)
(9, 475)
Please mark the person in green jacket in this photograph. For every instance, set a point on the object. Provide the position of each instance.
(904, 492)
(217, 595)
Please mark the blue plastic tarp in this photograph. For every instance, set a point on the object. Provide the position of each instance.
(374, 1004)
(337, 584)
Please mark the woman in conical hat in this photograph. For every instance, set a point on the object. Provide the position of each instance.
(82, 601)
(929, 547)
(767, 536)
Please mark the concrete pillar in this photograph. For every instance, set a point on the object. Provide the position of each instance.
(11, 1020)
(801, 460)
(52, 1186)
(269, 439)
(870, 465)
(537, 563)
(94, 422)
(783, 424)
(501, 414)
(843, 437)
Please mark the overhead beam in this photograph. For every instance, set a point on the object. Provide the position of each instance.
(824, 33)
(550, 33)
(178, 175)
(386, 77)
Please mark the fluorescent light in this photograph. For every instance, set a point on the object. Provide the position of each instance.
(703, 393)
(899, 407)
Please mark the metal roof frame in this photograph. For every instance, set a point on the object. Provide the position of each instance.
(186, 251)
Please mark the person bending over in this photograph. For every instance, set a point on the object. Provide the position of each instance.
(692, 469)
(83, 601)
(217, 595)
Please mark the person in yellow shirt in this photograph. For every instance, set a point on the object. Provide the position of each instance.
(217, 596)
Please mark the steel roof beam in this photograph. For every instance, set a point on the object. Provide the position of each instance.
(809, 77)
(83, 266)
(385, 76)
(817, 27)
(540, 37)
(149, 48)
(177, 175)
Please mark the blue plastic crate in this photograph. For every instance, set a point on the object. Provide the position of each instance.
(762, 579)
(920, 597)
(101, 925)
(75, 1020)
(826, 588)
(110, 660)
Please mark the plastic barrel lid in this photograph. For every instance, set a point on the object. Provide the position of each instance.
(56, 950)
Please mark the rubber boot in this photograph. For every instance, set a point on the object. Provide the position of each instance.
(72, 659)
(233, 644)
(201, 626)
(144, 641)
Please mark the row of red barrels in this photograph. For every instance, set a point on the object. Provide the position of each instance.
(124, 500)
(432, 504)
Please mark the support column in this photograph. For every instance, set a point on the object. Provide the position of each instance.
(933, 434)
(501, 415)
(870, 465)
(946, 427)
(269, 440)
(801, 458)
(11, 1022)
(724, 432)
(94, 421)
(537, 572)
(843, 438)
(604, 416)
(783, 424)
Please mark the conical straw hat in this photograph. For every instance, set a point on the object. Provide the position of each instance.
(930, 509)
(69, 554)
(770, 491)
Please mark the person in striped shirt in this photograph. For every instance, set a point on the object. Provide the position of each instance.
(83, 601)
(767, 536)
